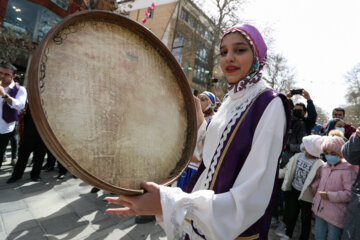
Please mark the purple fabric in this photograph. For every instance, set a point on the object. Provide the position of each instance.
(237, 154)
(9, 114)
(255, 36)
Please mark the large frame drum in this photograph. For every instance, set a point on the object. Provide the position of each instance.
(111, 102)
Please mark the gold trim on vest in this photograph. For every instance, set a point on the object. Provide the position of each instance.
(253, 237)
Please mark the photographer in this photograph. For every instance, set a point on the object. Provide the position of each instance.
(310, 120)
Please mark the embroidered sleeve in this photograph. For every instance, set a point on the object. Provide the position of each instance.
(176, 205)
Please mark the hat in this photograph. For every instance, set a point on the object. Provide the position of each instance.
(210, 96)
(333, 144)
(312, 144)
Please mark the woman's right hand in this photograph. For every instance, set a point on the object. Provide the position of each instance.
(199, 114)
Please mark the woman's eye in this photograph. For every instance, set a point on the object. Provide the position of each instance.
(240, 50)
(223, 53)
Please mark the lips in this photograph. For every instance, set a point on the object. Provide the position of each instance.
(231, 69)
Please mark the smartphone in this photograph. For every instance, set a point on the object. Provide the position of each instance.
(296, 92)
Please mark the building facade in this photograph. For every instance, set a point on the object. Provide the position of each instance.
(24, 23)
(185, 29)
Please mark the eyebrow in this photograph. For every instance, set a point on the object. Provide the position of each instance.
(235, 44)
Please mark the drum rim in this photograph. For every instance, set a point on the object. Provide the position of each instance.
(40, 119)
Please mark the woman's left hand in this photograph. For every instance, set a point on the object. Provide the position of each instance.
(146, 204)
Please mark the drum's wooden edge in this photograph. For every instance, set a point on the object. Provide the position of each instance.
(49, 137)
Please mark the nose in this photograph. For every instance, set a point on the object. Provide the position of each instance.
(230, 56)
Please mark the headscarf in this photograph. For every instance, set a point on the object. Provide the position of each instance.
(331, 125)
(253, 36)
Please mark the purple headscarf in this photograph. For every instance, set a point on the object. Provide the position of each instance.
(253, 36)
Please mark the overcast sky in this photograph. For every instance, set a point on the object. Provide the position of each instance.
(319, 38)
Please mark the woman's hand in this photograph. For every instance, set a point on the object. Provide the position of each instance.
(358, 131)
(324, 195)
(146, 204)
(199, 114)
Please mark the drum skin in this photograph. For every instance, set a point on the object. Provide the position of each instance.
(111, 102)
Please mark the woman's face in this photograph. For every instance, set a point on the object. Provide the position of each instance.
(236, 57)
(339, 124)
(204, 102)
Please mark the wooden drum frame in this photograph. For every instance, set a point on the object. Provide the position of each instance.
(111, 102)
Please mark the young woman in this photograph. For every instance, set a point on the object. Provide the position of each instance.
(233, 190)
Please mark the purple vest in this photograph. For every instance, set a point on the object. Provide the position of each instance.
(236, 155)
(9, 114)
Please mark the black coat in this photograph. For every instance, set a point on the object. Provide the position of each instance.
(351, 152)
(296, 132)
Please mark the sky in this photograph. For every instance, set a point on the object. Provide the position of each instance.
(319, 38)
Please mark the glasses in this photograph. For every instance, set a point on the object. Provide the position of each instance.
(6, 74)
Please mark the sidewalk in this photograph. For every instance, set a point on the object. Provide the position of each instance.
(65, 209)
(62, 209)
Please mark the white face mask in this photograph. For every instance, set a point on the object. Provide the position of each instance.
(341, 129)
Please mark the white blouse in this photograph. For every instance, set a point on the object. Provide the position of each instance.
(227, 215)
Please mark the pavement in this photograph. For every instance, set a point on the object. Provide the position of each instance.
(62, 209)
(65, 209)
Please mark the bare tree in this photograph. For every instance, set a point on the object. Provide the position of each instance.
(14, 45)
(278, 74)
(322, 115)
(353, 90)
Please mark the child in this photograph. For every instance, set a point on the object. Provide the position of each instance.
(298, 175)
(332, 191)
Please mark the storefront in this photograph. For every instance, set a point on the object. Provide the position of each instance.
(31, 19)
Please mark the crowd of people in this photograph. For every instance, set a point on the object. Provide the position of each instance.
(260, 160)
(17, 126)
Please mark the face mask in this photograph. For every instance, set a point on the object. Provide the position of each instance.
(341, 129)
(331, 159)
(297, 113)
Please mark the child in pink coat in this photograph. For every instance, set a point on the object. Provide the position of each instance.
(332, 191)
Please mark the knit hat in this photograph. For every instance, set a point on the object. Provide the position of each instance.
(333, 144)
(210, 96)
(312, 145)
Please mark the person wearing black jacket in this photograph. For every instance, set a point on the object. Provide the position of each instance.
(310, 109)
(351, 152)
(30, 142)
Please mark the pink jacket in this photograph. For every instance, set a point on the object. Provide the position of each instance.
(336, 181)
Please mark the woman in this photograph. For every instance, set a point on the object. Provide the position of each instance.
(234, 186)
(208, 104)
(334, 123)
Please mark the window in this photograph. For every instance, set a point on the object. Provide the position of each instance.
(201, 54)
(179, 41)
(61, 3)
(29, 17)
(177, 52)
(191, 21)
(184, 15)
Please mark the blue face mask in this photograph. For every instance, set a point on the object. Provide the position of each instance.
(331, 159)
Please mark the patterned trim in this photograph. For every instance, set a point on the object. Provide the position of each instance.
(253, 237)
(230, 140)
(214, 162)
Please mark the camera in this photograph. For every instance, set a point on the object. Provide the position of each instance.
(214, 80)
(296, 92)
